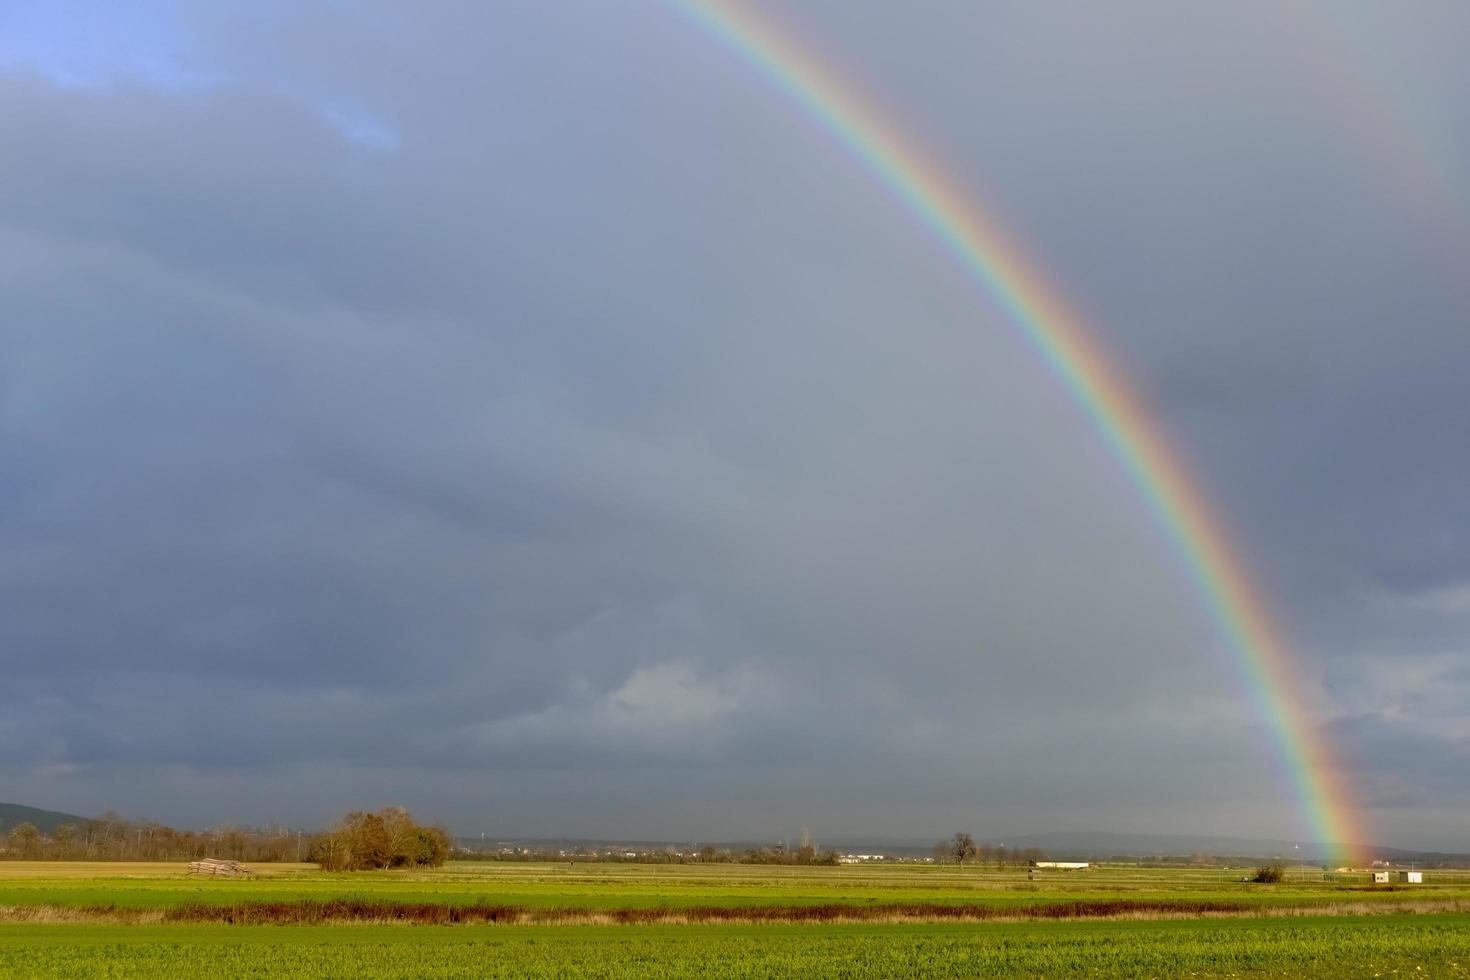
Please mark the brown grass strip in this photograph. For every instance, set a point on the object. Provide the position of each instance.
(79, 915)
(308, 912)
(372, 912)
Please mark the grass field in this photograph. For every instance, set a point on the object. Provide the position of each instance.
(114, 920)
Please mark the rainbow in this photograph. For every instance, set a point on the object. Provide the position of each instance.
(1064, 342)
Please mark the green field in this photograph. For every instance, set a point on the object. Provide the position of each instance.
(84, 920)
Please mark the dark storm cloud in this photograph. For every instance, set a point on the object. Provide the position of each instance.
(521, 413)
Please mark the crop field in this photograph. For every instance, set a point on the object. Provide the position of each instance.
(623, 920)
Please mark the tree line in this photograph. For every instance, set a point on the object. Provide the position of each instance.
(386, 839)
(113, 838)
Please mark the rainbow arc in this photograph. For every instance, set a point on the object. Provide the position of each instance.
(1061, 337)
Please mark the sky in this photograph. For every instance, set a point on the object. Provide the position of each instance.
(523, 413)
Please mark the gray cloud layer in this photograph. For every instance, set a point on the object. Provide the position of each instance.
(523, 414)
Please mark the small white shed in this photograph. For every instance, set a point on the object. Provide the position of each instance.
(1412, 877)
(1381, 877)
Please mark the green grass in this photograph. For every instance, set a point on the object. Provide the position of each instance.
(642, 886)
(1344, 945)
(1320, 947)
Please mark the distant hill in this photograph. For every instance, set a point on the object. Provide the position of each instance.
(46, 821)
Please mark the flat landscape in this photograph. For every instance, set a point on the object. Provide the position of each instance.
(79, 919)
(734, 488)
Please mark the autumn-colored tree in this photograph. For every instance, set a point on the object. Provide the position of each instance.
(387, 839)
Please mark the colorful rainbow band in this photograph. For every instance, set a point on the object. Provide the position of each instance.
(1060, 337)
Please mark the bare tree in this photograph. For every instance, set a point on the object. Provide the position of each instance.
(25, 838)
(402, 834)
(66, 838)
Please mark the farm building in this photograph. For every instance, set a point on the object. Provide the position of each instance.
(1061, 865)
(1405, 877)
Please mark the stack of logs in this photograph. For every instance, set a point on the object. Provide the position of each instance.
(215, 866)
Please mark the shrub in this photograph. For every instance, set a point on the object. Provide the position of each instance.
(1271, 873)
(432, 847)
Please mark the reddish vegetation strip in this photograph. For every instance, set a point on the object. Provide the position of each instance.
(427, 913)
